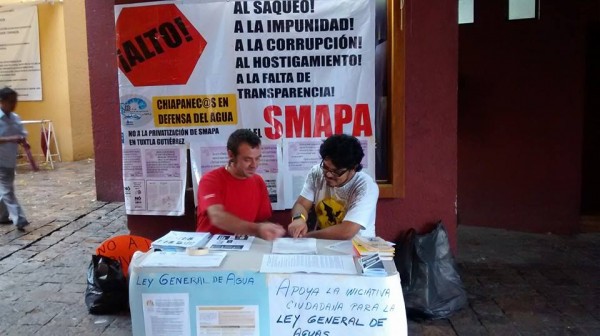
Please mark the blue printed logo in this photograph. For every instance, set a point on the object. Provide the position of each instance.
(135, 111)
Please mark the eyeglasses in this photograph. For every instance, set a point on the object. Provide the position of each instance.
(334, 173)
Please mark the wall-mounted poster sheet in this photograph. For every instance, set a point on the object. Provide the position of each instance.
(293, 71)
(20, 52)
(154, 178)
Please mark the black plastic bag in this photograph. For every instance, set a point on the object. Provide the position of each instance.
(106, 290)
(430, 281)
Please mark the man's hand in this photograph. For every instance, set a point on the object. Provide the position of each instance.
(270, 231)
(297, 228)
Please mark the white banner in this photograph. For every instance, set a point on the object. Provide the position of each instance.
(300, 304)
(293, 71)
(20, 52)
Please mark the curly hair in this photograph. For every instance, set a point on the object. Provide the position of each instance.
(241, 136)
(344, 151)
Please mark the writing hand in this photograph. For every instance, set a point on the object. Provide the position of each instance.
(298, 228)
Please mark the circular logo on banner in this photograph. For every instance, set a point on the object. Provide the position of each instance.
(157, 45)
(135, 111)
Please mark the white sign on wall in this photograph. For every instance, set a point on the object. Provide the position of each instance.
(20, 52)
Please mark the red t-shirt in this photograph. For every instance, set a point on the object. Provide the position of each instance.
(247, 198)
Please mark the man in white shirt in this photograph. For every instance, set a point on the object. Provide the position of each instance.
(11, 135)
(344, 198)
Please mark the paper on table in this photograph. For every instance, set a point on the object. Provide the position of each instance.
(344, 246)
(180, 239)
(181, 259)
(295, 263)
(230, 242)
(295, 245)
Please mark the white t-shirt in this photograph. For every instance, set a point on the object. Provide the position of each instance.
(355, 201)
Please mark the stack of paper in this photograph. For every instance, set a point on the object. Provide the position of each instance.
(365, 246)
(372, 265)
(179, 240)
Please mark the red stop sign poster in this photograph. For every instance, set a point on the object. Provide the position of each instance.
(157, 45)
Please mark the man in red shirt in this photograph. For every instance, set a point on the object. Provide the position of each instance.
(234, 199)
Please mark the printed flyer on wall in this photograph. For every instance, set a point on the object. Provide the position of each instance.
(227, 320)
(166, 314)
(154, 180)
(293, 72)
(20, 67)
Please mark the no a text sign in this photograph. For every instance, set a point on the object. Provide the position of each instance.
(157, 45)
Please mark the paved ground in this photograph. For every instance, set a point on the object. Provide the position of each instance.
(518, 284)
(43, 270)
(525, 284)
